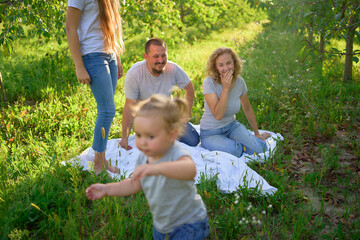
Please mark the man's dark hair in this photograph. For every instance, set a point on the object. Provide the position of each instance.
(154, 41)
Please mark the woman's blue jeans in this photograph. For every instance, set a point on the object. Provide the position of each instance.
(193, 231)
(234, 138)
(103, 71)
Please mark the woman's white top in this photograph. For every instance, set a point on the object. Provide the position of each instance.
(90, 34)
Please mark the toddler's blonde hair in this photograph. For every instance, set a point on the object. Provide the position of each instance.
(173, 111)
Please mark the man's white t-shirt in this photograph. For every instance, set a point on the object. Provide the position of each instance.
(140, 84)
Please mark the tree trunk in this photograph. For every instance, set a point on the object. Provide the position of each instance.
(152, 10)
(3, 89)
(349, 50)
(310, 35)
(322, 45)
(151, 32)
(181, 15)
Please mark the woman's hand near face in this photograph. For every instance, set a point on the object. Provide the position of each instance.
(226, 79)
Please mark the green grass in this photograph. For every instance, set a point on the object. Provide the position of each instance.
(50, 118)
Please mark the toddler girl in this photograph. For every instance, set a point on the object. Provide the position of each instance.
(164, 170)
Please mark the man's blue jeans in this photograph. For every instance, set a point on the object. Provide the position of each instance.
(234, 138)
(103, 71)
(193, 231)
(191, 136)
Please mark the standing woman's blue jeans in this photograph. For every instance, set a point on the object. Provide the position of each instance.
(234, 138)
(103, 71)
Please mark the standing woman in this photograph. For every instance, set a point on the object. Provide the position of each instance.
(225, 93)
(94, 35)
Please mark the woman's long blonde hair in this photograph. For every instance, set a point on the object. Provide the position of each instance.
(173, 111)
(110, 22)
(211, 69)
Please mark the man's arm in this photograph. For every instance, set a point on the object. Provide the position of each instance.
(127, 122)
(189, 96)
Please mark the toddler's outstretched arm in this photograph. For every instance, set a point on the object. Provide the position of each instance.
(182, 169)
(126, 187)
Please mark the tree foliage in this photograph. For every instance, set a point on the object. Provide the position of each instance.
(46, 19)
(151, 15)
(325, 19)
(21, 18)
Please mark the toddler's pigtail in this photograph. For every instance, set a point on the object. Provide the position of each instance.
(182, 108)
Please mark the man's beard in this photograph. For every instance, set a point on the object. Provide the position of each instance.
(158, 71)
(154, 70)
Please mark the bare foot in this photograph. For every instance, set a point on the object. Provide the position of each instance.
(100, 164)
(98, 169)
(112, 169)
(105, 165)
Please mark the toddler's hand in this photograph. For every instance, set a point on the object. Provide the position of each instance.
(96, 191)
(145, 170)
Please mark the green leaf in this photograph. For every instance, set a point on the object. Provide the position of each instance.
(357, 34)
(335, 50)
(307, 14)
(338, 16)
(355, 59)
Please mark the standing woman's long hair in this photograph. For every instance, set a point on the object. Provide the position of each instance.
(110, 22)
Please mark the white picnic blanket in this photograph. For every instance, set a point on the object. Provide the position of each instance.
(231, 172)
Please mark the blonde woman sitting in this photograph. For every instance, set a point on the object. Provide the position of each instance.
(225, 92)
